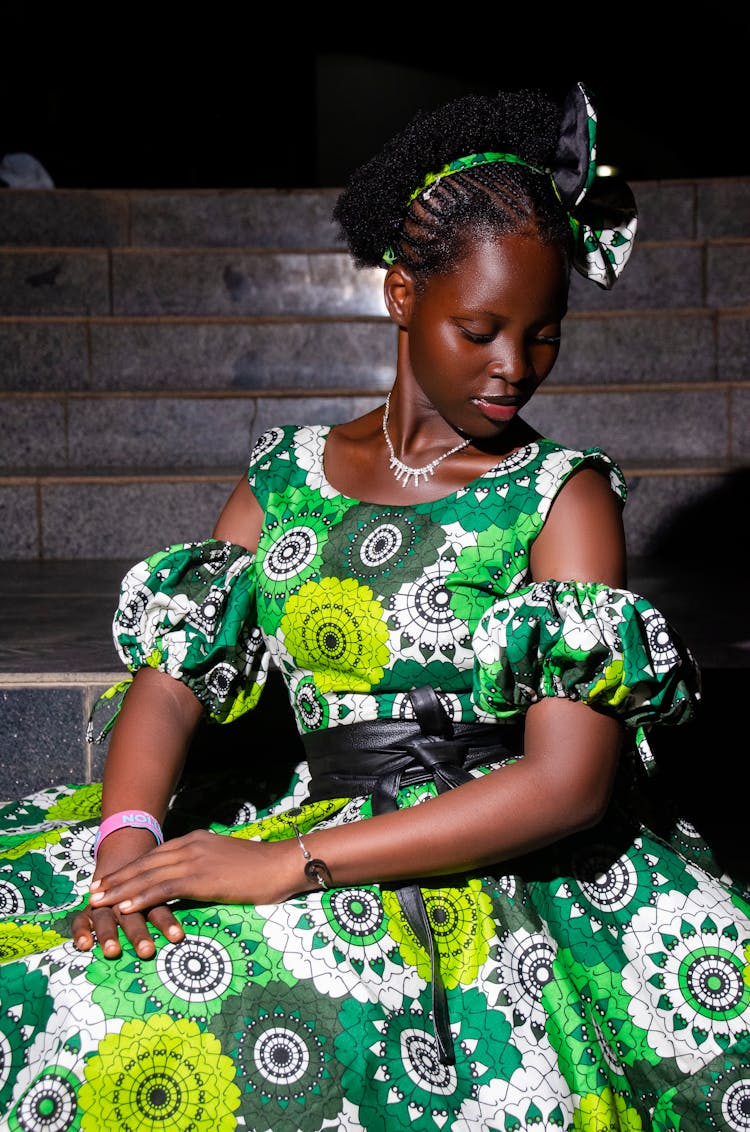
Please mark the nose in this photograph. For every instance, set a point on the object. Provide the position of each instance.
(510, 362)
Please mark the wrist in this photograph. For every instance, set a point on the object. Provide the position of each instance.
(315, 871)
(128, 819)
(121, 846)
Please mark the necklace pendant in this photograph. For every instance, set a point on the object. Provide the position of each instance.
(401, 471)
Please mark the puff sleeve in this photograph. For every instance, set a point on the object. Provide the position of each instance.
(189, 610)
(609, 648)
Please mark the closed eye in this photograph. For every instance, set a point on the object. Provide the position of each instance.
(479, 339)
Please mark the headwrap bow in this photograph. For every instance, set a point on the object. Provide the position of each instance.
(601, 210)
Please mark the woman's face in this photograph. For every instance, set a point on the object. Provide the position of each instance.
(483, 338)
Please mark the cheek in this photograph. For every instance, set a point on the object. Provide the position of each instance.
(436, 350)
(542, 360)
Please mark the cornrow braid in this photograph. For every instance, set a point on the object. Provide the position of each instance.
(426, 235)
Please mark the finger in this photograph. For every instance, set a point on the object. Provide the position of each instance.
(105, 928)
(163, 920)
(141, 892)
(82, 930)
(129, 882)
(137, 932)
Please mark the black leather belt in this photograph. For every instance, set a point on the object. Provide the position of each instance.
(380, 757)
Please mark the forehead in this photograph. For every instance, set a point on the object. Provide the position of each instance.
(506, 271)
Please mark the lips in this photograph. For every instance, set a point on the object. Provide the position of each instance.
(498, 408)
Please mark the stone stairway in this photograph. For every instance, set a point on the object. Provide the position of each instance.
(147, 338)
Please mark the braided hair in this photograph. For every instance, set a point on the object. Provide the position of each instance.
(427, 235)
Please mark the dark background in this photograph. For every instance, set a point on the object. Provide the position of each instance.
(244, 97)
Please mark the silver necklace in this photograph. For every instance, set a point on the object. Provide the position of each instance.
(401, 470)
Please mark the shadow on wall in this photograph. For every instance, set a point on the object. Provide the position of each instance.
(701, 534)
(704, 764)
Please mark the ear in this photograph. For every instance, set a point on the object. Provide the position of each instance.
(398, 292)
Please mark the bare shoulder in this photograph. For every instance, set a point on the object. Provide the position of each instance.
(583, 537)
(241, 518)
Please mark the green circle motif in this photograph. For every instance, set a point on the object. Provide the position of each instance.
(336, 630)
(162, 1070)
(192, 978)
(290, 548)
(392, 1064)
(355, 916)
(461, 924)
(378, 549)
(312, 710)
(49, 1104)
(281, 1040)
(708, 974)
(25, 939)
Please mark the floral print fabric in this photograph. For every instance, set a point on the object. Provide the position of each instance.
(601, 983)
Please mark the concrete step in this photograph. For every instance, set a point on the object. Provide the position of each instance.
(75, 354)
(708, 209)
(660, 424)
(167, 282)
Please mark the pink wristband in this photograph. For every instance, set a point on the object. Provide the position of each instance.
(135, 819)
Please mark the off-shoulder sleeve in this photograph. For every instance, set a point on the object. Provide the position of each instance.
(609, 648)
(189, 610)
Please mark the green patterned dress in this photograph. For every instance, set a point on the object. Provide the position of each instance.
(603, 983)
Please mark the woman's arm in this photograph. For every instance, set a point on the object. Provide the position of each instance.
(146, 756)
(563, 783)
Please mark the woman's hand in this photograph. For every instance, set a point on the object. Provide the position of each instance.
(100, 924)
(199, 866)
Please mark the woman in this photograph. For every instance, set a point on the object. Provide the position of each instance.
(457, 916)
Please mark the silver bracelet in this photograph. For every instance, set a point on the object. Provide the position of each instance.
(315, 868)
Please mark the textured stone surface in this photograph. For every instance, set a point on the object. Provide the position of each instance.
(128, 520)
(741, 427)
(54, 283)
(733, 334)
(657, 275)
(56, 617)
(636, 347)
(655, 427)
(723, 208)
(728, 274)
(235, 218)
(33, 433)
(305, 354)
(68, 218)
(243, 283)
(161, 432)
(42, 356)
(666, 209)
(42, 738)
(672, 516)
(19, 526)
(316, 410)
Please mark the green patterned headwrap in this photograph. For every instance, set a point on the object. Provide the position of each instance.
(601, 212)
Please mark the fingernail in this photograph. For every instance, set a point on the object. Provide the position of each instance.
(174, 932)
(124, 905)
(94, 884)
(96, 896)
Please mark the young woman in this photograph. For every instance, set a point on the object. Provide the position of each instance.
(457, 917)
